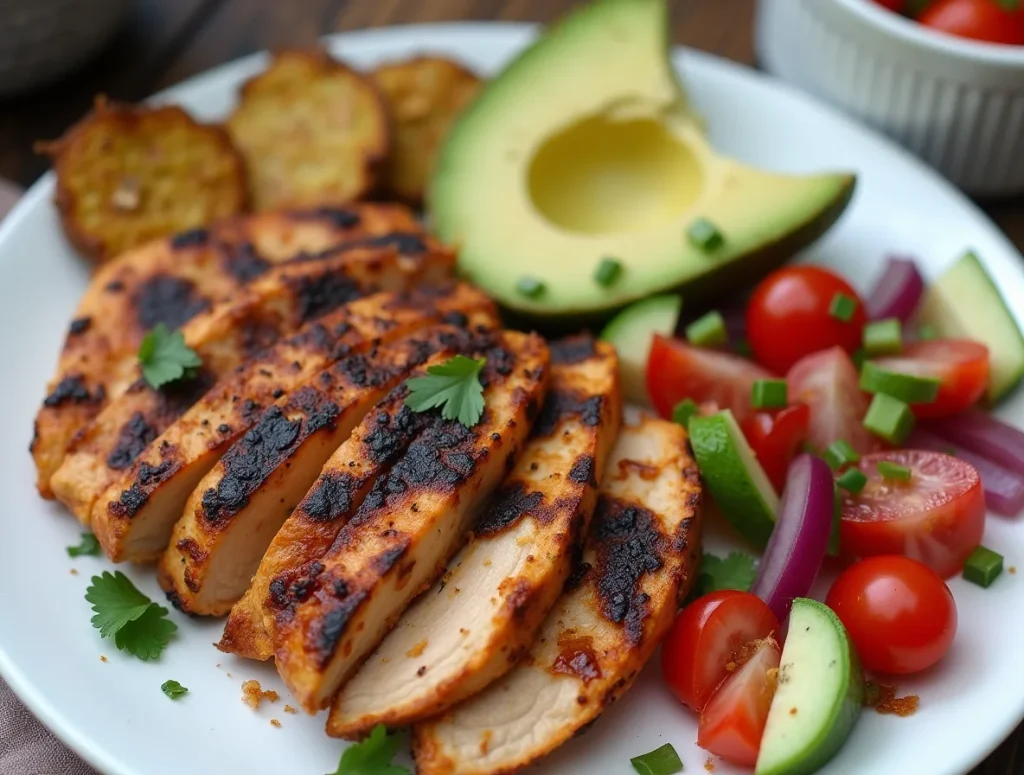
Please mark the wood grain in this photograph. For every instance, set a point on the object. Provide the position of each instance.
(166, 41)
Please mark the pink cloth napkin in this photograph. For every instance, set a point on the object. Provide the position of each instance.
(26, 746)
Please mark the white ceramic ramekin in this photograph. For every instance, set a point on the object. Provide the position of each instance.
(958, 104)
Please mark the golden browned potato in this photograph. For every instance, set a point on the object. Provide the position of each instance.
(424, 95)
(129, 174)
(312, 130)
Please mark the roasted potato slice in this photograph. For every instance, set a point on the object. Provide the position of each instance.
(128, 174)
(424, 96)
(312, 131)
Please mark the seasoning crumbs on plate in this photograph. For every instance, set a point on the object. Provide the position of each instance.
(253, 694)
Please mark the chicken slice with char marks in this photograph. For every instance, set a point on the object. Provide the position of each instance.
(133, 518)
(416, 516)
(170, 281)
(225, 336)
(470, 627)
(241, 503)
(640, 558)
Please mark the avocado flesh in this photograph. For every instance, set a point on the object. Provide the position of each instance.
(584, 148)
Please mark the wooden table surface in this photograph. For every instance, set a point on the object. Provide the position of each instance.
(165, 41)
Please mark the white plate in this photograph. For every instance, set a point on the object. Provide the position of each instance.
(114, 714)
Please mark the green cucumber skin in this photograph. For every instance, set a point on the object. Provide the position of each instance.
(845, 712)
(709, 437)
(631, 332)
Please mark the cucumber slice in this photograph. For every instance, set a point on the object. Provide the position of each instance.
(631, 331)
(909, 388)
(964, 303)
(820, 694)
(736, 480)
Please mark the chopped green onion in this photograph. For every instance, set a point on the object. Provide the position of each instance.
(906, 387)
(852, 480)
(768, 394)
(983, 566)
(683, 411)
(743, 349)
(530, 287)
(842, 307)
(708, 331)
(607, 272)
(927, 332)
(660, 761)
(883, 337)
(859, 357)
(889, 418)
(840, 454)
(894, 472)
(703, 234)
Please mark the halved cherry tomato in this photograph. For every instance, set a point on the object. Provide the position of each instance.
(732, 722)
(676, 370)
(899, 613)
(986, 20)
(961, 364)
(707, 637)
(829, 384)
(788, 316)
(937, 517)
(775, 436)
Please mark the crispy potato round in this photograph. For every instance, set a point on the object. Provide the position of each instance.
(424, 96)
(129, 174)
(312, 130)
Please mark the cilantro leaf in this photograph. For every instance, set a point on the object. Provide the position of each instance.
(372, 756)
(454, 386)
(736, 571)
(137, 624)
(87, 547)
(173, 689)
(164, 357)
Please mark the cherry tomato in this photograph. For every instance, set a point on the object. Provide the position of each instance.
(707, 637)
(732, 722)
(676, 370)
(985, 20)
(896, 6)
(961, 365)
(937, 517)
(775, 436)
(829, 384)
(788, 316)
(899, 613)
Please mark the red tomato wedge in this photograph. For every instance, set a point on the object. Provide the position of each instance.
(776, 436)
(732, 722)
(676, 370)
(986, 20)
(937, 517)
(829, 384)
(961, 365)
(707, 637)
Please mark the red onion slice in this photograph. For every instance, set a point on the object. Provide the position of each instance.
(897, 292)
(800, 539)
(984, 435)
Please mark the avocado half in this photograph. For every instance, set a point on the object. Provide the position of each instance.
(584, 149)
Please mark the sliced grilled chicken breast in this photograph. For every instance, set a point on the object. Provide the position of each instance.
(225, 336)
(472, 625)
(640, 558)
(170, 281)
(133, 518)
(412, 521)
(241, 503)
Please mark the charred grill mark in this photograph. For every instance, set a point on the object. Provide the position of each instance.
(135, 436)
(573, 349)
(148, 479)
(363, 371)
(405, 242)
(338, 217)
(331, 497)
(392, 432)
(114, 286)
(191, 549)
(293, 586)
(499, 364)
(561, 404)
(455, 318)
(318, 295)
(242, 261)
(511, 503)
(170, 300)
(193, 238)
(628, 546)
(72, 390)
(584, 471)
(576, 657)
(257, 332)
(79, 326)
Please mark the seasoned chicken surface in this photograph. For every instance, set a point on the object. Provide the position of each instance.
(471, 626)
(241, 503)
(335, 611)
(170, 281)
(134, 515)
(640, 558)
